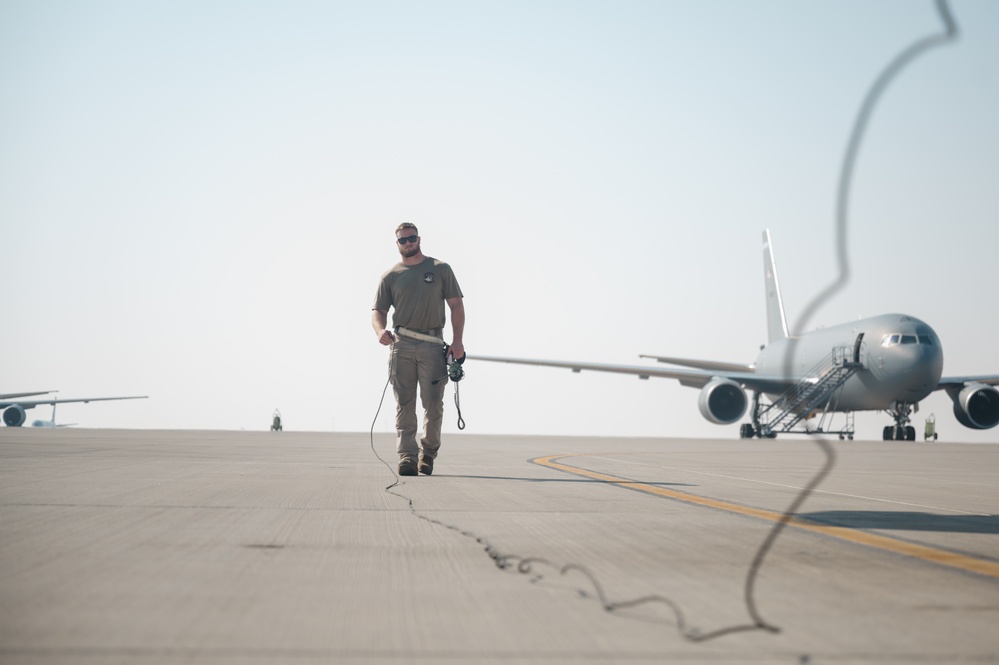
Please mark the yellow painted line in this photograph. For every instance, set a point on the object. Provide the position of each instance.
(932, 554)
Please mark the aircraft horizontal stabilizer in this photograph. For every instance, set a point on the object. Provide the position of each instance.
(702, 364)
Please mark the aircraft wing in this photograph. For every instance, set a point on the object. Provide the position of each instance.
(30, 404)
(11, 395)
(694, 378)
(959, 381)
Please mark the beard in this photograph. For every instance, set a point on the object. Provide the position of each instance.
(410, 249)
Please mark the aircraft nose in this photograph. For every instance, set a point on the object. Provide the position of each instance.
(923, 367)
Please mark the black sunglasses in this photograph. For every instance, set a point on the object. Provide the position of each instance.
(405, 239)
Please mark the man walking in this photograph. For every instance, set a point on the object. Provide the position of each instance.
(417, 288)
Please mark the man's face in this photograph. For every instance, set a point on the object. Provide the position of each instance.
(412, 246)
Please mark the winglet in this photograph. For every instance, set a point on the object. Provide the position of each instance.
(776, 322)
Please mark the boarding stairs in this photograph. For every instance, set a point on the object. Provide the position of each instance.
(817, 390)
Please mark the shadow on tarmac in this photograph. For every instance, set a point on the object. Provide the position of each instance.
(886, 519)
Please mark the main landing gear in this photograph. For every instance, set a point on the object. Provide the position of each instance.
(901, 430)
(749, 430)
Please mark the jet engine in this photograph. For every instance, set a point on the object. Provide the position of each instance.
(14, 416)
(976, 406)
(723, 401)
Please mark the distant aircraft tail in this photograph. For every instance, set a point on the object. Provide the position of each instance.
(776, 322)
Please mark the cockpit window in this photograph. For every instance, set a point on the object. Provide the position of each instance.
(889, 340)
(897, 338)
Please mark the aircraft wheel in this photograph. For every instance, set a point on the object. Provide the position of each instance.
(888, 433)
(910, 433)
(746, 431)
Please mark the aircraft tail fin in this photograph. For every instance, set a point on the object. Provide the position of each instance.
(776, 321)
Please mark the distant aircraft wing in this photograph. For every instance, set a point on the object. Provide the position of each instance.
(958, 381)
(30, 404)
(694, 378)
(12, 395)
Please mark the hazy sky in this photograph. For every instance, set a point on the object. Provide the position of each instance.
(197, 198)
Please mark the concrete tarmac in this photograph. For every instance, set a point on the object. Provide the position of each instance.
(121, 546)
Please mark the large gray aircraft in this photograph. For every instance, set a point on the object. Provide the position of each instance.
(882, 363)
(14, 411)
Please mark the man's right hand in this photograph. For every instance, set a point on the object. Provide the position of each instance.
(386, 338)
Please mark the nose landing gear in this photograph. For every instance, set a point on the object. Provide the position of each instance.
(901, 430)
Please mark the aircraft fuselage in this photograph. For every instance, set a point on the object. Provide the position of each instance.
(901, 358)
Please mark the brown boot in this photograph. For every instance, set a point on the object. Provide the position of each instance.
(407, 466)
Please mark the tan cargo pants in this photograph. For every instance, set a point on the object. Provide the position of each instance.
(415, 363)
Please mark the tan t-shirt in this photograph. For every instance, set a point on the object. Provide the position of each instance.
(417, 293)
